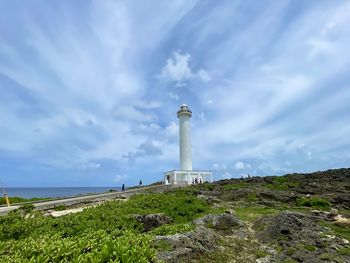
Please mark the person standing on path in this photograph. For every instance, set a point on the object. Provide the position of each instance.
(123, 188)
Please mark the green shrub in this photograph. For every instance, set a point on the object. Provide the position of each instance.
(208, 186)
(165, 230)
(27, 208)
(282, 183)
(310, 248)
(106, 233)
(344, 251)
(60, 207)
(16, 199)
(343, 232)
(97, 246)
(314, 202)
(252, 198)
(290, 251)
(261, 253)
(235, 186)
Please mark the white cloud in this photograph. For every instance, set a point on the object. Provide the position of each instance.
(172, 129)
(201, 116)
(130, 113)
(203, 75)
(173, 96)
(92, 166)
(120, 177)
(226, 175)
(178, 69)
(239, 165)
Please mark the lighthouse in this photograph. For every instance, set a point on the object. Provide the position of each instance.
(184, 114)
(186, 175)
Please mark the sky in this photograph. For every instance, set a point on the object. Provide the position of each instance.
(89, 89)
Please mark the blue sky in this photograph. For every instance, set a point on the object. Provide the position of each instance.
(89, 89)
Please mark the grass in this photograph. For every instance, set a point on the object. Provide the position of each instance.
(251, 213)
(261, 253)
(16, 200)
(60, 207)
(345, 251)
(282, 183)
(314, 202)
(162, 245)
(337, 230)
(310, 248)
(239, 185)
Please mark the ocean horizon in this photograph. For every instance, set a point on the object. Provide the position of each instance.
(45, 192)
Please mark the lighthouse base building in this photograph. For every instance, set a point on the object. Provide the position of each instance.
(187, 177)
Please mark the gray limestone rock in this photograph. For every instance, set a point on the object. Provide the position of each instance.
(152, 221)
(183, 247)
(221, 222)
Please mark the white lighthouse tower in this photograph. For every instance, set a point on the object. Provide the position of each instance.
(184, 114)
(186, 175)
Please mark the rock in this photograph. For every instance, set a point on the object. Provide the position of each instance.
(230, 211)
(152, 221)
(343, 201)
(184, 247)
(342, 221)
(210, 199)
(226, 221)
(334, 212)
(291, 225)
(266, 259)
(221, 222)
(122, 196)
(298, 236)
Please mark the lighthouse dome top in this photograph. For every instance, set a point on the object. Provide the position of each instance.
(184, 111)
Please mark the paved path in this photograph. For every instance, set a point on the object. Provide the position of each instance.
(81, 199)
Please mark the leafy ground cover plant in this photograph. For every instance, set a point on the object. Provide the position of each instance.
(106, 233)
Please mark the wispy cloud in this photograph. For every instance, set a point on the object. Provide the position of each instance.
(268, 85)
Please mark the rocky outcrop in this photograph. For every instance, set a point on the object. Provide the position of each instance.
(152, 221)
(184, 247)
(298, 237)
(204, 239)
(221, 221)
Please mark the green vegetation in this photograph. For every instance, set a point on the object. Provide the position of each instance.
(252, 198)
(261, 253)
(172, 229)
(290, 251)
(239, 185)
(106, 233)
(282, 183)
(252, 213)
(27, 208)
(162, 245)
(314, 202)
(310, 248)
(343, 232)
(344, 251)
(16, 199)
(289, 260)
(60, 208)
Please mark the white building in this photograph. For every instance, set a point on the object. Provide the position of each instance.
(186, 175)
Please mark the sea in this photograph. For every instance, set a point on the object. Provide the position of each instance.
(30, 192)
